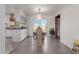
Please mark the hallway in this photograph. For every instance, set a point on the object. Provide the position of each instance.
(22, 20)
(37, 29)
(51, 46)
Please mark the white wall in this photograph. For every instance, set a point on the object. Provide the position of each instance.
(50, 23)
(69, 24)
(2, 29)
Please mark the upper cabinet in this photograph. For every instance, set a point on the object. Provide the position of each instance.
(16, 18)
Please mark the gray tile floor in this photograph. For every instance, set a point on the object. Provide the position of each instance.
(50, 46)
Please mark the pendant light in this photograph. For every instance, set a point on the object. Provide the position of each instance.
(39, 16)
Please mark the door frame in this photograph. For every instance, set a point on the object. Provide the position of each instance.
(57, 26)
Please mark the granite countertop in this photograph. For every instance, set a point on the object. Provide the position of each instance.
(15, 28)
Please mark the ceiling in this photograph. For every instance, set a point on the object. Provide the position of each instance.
(32, 9)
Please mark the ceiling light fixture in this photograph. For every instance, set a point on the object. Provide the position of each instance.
(39, 16)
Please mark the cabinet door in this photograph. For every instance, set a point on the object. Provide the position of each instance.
(23, 33)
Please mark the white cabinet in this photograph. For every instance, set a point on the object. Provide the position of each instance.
(23, 33)
(17, 34)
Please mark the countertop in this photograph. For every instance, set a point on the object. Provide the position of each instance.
(15, 28)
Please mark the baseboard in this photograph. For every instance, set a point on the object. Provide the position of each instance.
(65, 45)
(25, 38)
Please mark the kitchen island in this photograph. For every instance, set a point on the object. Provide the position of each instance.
(18, 34)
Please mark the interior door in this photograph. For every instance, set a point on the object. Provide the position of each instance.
(57, 26)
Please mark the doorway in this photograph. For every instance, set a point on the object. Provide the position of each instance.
(41, 23)
(57, 26)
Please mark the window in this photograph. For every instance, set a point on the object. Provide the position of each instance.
(41, 23)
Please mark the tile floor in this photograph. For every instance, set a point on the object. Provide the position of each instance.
(50, 46)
